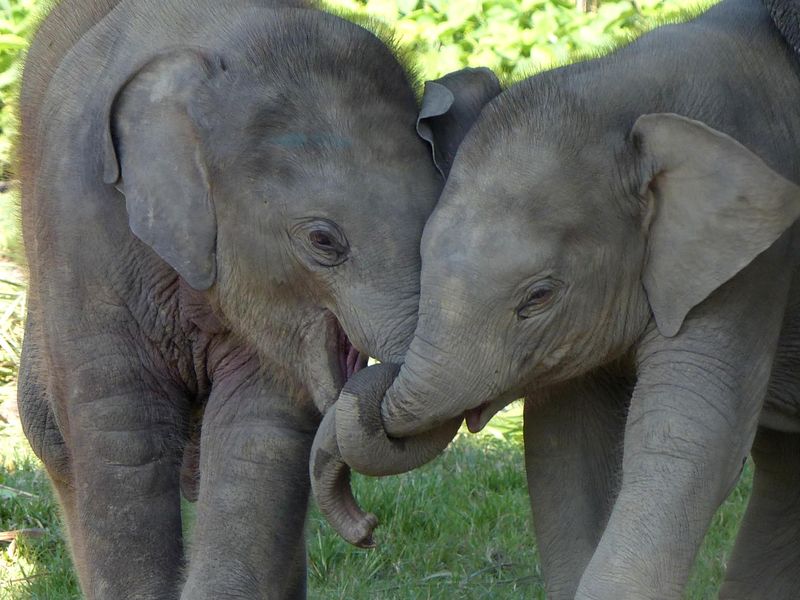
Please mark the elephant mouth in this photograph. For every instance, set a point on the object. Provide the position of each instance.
(474, 420)
(350, 359)
(477, 418)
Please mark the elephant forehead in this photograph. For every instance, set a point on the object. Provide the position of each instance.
(351, 185)
(501, 248)
(329, 174)
(534, 207)
(525, 172)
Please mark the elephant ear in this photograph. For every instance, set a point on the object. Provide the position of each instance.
(450, 106)
(786, 16)
(714, 206)
(154, 157)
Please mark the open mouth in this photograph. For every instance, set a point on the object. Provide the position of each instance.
(351, 359)
(474, 420)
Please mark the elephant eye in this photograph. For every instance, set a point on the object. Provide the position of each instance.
(540, 297)
(322, 242)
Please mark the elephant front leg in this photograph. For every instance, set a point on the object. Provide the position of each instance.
(766, 559)
(692, 419)
(122, 502)
(254, 486)
(573, 454)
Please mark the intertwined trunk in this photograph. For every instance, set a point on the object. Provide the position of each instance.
(353, 429)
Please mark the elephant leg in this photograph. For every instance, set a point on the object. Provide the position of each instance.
(39, 422)
(766, 558)
(123, 506)
(691, 423)
(253, 497)
(573, 454)
(43, 434)
(40, 425)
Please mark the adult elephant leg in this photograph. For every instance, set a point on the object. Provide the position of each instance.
(254, 486)
(573, 455)
(692, 420)
(766, 558)
(123, 505)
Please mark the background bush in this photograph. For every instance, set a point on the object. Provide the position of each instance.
(512, 37)
(16, 23)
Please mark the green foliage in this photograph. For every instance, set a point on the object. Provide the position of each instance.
(513, 37)
(12, 317)
(506, 425)
(16, 22)
(17, 19)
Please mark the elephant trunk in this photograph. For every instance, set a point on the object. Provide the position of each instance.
(362, 437)
(330, 484)
(430, 390)
(353, 431)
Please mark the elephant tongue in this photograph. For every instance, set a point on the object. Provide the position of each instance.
(355, 361)
(351, 361)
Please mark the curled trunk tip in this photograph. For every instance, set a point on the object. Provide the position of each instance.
(330, 484)
(354, 424)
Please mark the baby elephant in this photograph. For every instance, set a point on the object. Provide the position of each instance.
(222, 210)
(634, 274)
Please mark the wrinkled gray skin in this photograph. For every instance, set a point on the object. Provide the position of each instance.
(633, 274)
(212, 192)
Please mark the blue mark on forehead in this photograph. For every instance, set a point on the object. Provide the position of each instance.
(298, 140)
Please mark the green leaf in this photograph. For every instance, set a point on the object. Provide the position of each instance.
(10, 41)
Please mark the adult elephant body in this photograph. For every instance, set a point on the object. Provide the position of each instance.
(634, 274)
(214, 217)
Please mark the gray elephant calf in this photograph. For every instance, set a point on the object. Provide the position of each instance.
(634, 274)
(222, 209)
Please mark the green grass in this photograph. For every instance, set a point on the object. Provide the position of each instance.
(457, 528)
(38, 568)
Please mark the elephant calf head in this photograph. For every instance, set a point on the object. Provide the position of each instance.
(548, 255)
(285, 180)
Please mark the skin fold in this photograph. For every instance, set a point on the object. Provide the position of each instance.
(616, 244)
(222, 208)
